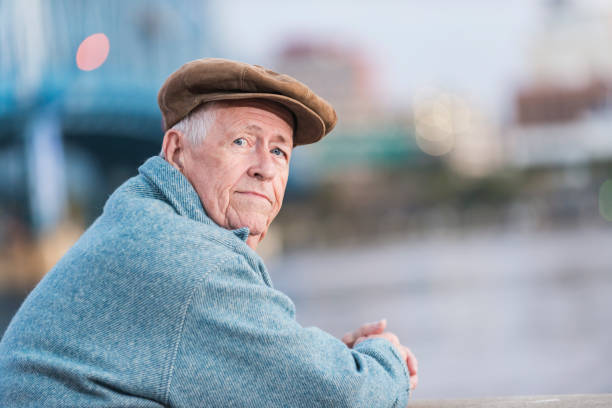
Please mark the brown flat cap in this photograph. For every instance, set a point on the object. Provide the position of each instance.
(215, 79)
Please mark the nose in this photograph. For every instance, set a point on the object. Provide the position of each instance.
(263, 167)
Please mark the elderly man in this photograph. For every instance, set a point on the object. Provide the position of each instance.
(164, 302)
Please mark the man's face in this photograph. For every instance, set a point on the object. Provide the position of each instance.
(240, 169)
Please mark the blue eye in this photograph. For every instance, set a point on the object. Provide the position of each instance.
(240, 142)
(278, 152)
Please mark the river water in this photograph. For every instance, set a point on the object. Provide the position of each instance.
(488, 313)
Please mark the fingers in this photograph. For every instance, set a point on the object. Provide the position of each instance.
(411, 361)
(413, 367)
(349, 339)
(371, 328)
(414, 381)
(365, 330)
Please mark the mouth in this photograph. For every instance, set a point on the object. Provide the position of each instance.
(256, 194)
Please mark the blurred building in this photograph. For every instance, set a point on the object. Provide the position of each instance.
(339, 74)
(71, 131)
(366, 136)
(564, 108)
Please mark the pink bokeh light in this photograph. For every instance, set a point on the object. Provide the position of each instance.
(92, 52)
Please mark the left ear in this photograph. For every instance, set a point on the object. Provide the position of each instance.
(173, 147)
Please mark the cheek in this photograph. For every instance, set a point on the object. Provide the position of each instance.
(279, 190)
(216, 174)
(208, 184)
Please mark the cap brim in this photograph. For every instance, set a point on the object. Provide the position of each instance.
(309, 127)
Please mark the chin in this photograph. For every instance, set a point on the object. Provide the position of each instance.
(254, 223)
(257, 228)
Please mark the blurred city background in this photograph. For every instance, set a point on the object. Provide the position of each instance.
(465, 195)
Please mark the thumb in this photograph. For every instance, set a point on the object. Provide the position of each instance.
(372, 328)
(382, 324)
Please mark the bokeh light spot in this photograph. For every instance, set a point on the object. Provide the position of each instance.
(92, 52)
(605, 200)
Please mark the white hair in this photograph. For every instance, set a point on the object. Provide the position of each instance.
(197, 123)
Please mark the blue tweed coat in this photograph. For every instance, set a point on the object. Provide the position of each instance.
(156, 305)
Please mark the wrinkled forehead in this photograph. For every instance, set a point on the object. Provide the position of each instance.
(273, 107)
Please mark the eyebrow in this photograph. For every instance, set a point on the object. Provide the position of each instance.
(257, 129)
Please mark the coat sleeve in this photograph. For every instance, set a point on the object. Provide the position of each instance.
(240, 345)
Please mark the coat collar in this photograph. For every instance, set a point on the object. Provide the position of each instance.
(179, 192)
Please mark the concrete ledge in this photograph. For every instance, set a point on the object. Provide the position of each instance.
(544, 401)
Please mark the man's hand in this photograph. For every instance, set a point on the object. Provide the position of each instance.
(377, 330)
(367, 329)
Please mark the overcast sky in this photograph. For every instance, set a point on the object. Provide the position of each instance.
(476, 48)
